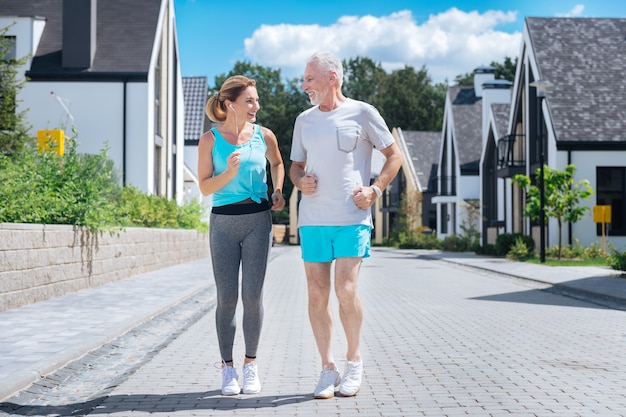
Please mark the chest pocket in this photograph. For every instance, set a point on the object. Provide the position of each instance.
(347, 137)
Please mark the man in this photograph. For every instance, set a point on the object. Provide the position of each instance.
(331, 165)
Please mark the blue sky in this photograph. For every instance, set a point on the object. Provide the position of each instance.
(448, 37)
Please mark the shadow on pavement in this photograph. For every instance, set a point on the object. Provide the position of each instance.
(568, 297)
(150, 403)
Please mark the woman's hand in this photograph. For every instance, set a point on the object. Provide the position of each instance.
(278, 201)
(234, 161)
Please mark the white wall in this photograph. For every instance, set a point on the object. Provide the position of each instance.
(98, 116)
(586, 164)
(139, 137)
(95, 108)
(28, 31)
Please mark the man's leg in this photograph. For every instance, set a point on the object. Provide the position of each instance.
(350, 306)
(320, 315)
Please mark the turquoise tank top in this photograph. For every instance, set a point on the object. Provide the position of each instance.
(251, 180)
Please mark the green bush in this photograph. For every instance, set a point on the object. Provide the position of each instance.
(82, 190)
(190, 216)
(519, 251)
(50, 189)
(488, 250)
(506, 241)
(616, 259)
(594, 250)
(455, 243)
(419, 241)
(575, 251)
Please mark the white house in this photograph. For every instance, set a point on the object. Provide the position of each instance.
(581, 120)
(109, 69)
(466, 116)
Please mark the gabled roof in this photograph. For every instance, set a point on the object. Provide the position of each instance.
(467, 116)
(195, 93)
(423, 148)
(500, 113)
(585, 60)
(126, 32)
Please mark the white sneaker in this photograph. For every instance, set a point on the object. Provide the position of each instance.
(230, 386)
(329, 379)
(251, 383)
(351, 381)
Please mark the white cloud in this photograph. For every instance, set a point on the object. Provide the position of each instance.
(448, 43)
(575, 12)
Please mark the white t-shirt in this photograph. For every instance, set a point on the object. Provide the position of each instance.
(337, 148)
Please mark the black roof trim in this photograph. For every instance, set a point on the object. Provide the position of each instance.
(88, 76)
(590, 146)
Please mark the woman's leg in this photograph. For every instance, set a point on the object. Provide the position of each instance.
(226, 257)
(255, 251)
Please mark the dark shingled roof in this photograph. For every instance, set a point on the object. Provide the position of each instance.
(125, 37)
(585, 59)
(467, 116)
(195, 92)
(424, 149)
(500, 113)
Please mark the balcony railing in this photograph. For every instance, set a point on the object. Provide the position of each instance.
(511, 151)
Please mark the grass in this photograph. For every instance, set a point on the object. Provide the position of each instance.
(599, 261)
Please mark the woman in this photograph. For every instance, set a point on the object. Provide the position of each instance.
(232, 160)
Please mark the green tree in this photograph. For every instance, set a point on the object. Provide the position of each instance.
(13, 127)
(506, 69)
(364, 80)
(562, 196)
(503, 71)
(464, 80)
(411, 102)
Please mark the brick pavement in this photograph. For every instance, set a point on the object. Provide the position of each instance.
(39, 338)
(439, 340)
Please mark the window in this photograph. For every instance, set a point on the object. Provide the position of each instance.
(610, 189)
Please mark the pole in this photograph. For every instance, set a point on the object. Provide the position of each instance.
(542, 190)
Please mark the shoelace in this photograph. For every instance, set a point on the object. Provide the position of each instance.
(328, 377)
(352, 371)
(249, 371)
(229, 373)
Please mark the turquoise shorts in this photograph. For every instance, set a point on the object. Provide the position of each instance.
(327, 243)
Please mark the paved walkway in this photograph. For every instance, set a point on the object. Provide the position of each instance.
(597, 281)
(43, 337)
(39, 338)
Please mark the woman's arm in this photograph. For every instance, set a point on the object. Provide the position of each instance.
(209, 183)
(277, 168)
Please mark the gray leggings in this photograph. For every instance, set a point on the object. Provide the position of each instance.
(239, 239)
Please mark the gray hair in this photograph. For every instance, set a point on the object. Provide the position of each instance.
(329, 62)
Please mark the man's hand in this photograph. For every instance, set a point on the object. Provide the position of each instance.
(364, 197)
(308, 184)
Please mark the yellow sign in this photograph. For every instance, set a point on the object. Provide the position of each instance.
(51, 140)
(602, 214)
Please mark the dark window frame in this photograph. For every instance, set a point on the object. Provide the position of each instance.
(611, 190)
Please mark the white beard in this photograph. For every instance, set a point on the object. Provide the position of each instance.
(317, 98)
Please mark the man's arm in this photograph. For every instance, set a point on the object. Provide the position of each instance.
(390, 168)
(307, 183)
(365, 197)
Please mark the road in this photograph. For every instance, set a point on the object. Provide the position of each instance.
(438, 340)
